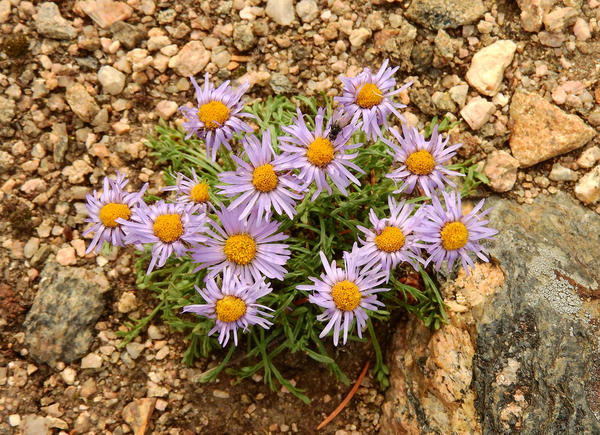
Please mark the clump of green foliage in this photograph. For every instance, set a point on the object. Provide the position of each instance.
(328, 224)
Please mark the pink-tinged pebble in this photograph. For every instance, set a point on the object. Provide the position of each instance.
(66, 256)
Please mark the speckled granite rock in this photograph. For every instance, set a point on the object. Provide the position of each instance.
(540, 130)
(66, 307)
(529, 362)
(444, 14)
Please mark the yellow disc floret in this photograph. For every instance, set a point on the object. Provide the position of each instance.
(168, 227)
(369, 96)
(320, 152)
(390, 240)
(420, 162)
(454, 235)
(240, 249)
(111, 212)
(213, 114)
(264, 178)
(230, 308)
(346, 295)
(199, 192)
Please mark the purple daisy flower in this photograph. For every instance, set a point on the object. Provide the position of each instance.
(421, 161)
(171, 228)
(246, 246)
(232, 306)
(346, 293)
(392, 239)
(449, 235)
(190, 190)
(218, 115)
(263, 183)
(318, 155)
(369, 95)
(104, 210)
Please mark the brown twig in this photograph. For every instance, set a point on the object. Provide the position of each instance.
(349, 396)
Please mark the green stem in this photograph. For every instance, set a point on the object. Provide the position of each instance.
(376, 347)
(211, 374)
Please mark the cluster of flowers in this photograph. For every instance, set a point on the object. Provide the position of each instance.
(244, 245)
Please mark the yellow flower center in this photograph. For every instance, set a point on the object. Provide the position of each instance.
(420, 162)
(390, 240)
(454, 235)
(199, 192)
(264, 178)
(320, 152)
(168, 227)
(213, 114)
(230, 308)
(240, 249)
(111, 212)
(346, 295)
(369, 96)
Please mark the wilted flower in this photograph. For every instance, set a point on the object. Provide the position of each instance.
(218, 115)
(316, 155)
(421, 161)
(171, 228)
(449, 235)
(263, 182)
(246, 246)
(232, 305)
(104, 210)
(346, 293)
(369, 95)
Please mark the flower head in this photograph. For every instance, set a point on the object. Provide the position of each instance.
(232, 306)
(190, 190)
(345, 293)
(104, 210)
(263, 182)
(392, 239)
(246, 246)
(317, 155)
(449, 235)
(218, 115)
(171, 228)
(369, 95)
(421, 161)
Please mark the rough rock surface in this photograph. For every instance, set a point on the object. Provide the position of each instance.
(190, 60)
(81, 102)
(532, 13)
(49, 22)
(501, 170)
(444, 14)
(532, 315)
(540, 130)
(106, 12)
(487, 67)
(587, 189)
(281, 11)
(60, 323)
(477, 112)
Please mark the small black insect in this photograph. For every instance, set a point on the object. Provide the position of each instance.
(335, 130)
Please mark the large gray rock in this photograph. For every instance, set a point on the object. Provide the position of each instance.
(444, 14)
(50, 23)
(520, 353)
(60, 323)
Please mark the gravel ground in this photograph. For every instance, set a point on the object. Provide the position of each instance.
(83, 83)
